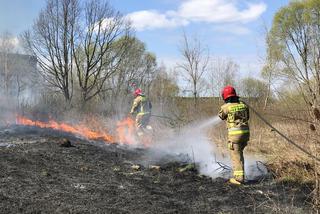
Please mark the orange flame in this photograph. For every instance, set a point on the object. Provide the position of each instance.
(81, 130)
(125, 129)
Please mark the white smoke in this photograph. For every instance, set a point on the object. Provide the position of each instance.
(192, 141)
(8, 109)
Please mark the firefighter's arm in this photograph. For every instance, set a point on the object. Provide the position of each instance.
(134, 106)
(222, 114)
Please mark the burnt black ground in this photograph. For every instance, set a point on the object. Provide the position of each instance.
(39, 176)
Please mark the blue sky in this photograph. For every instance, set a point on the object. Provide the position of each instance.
(229, 28)
(233, 31)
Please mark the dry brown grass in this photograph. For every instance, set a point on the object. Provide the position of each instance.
(286, 162)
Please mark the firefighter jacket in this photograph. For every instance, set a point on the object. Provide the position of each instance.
(237, 118)
(141, 105)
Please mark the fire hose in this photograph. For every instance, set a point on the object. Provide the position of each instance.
(281, 134)
(161, 116)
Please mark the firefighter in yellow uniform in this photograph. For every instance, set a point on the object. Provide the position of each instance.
(236, 114)
(142, 108)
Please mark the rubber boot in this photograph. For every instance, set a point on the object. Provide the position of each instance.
(234, 181)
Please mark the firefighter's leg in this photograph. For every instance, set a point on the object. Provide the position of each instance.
(139, 125)
(147, 126)
(238, 169)
(145, 120)
(236, 150)
(148, 130)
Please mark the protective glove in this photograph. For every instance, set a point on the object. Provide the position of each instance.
(230, 146)
(130, 115)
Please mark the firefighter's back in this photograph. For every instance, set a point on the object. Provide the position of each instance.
(237, 121)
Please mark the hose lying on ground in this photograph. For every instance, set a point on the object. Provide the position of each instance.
(281, 134)
(161, 116)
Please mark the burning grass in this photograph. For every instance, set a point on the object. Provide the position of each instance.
(125, 129)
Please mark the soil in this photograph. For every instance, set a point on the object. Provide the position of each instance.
(43, 171)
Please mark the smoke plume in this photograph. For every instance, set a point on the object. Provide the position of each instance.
(192, 142)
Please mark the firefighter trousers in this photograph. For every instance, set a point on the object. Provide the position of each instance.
(142, 120)
(236, 151)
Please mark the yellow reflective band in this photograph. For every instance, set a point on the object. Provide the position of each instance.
(143, 113)
(238, 132)
(235, 108)
(238, 173)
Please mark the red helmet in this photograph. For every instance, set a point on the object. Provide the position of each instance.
(137, 92)
(228, 91)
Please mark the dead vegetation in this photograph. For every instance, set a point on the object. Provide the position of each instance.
(285, 161)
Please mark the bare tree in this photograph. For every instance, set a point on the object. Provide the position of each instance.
(97, 52)
(50, 40)
(269, 75)
(222, 72)
(137, 68)
(194, 65)
(75, 39)
(294, 47)
(164, 89)
(253, 88)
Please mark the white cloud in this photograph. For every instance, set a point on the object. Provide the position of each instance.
(150, 19)
(9, 41)
(219, 11)
(105, 24)
(253, 12)
(210, 11)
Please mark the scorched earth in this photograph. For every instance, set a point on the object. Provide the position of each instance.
(45, 171)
